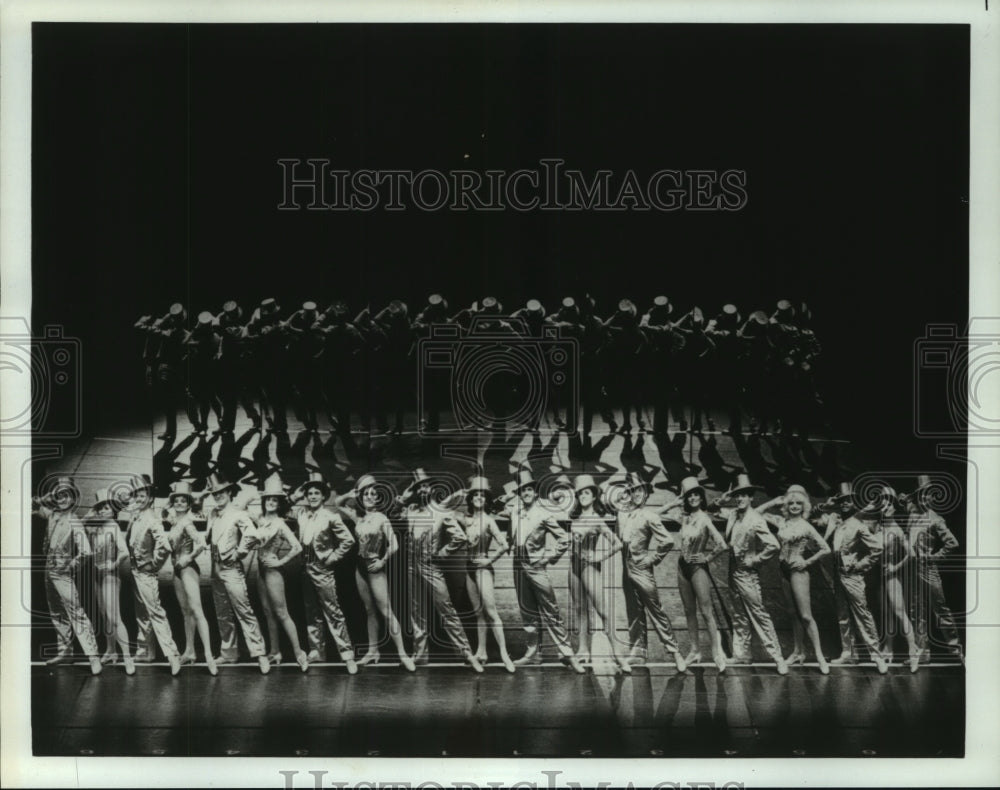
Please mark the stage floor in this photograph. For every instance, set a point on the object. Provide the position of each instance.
(541, 711)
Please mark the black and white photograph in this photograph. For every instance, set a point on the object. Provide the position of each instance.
(526, 389)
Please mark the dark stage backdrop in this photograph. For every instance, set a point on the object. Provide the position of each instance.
(155, 174)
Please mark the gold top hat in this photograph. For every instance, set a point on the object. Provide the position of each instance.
(634, 480)
(662, 302)
(534, 307)
(268, 306)
(583, 482)
(177, 312)
(525, 478)
(363, 482)
(142, 482)
(205, 321)
(218, 482)
(180, 488)
(273, 486)
(689, 484)
(743, 486)
(309, 307)
(231, 313)
(479, 484)
(797, 489)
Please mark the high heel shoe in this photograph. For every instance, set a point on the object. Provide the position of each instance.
(694, 657)
(213, 670)
(186, 659)
(914, 661)
(352, 666)
(720, 661)
(795, 658)
(473, 662)
(624, 665)
(824, 667)
(508, 664)
(408, 663)
(680, 662)
(303, 660)
(481, 657)
(274, 659)
(129, 665)
(109, 658)
(369, 658)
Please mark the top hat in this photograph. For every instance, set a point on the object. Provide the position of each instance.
(64, 484)
(583, 482)
(205, 321)
(273, 486)
(490, 305)
(231, 313)
(534, 307)
(479, 484)
(398, 308)
(873, 508)
(689, 484)
(180, 488)
(102, 496)
(177, 312)
(758, 317)
(268, 306)
(569, 308)
(525, 478)
(142, 482)
(743, 486)
(316, 480)
(363, 482)
(420, 476)
(627, 307)
(634, 480)
(784, 312)
(730, 315)
(797, 489)
(218, 482)
(437, 301)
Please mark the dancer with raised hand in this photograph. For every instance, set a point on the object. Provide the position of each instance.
(276, 546)
(645, 543)
(487, 544)
(592, 542)
(879, 517)
(532, 523)
(326, 541)
(148, 549)
(110, 557)
(751, 544)
(226, 525)
(186, 545)
(931, 541)
(432, 534)
(700, 544)
(377, 544)
(856, 550)
(65, 547)
(801, 547)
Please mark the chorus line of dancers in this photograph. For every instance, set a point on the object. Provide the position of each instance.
(226, 356)
(310, 530)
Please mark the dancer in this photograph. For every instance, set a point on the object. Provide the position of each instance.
(325, 540)
(431, 536)
(801, 547)
(226, 522)
(592, 542)
(855, 551)
(931, 541)
(531, 526)
(186, 545)
(700, 544)
(487, 544)
(645, 543)
(110, 557)
(879, 516)
(751, 544)
(148, 549)
(65, 547)
(276, 546)
(377, 544)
